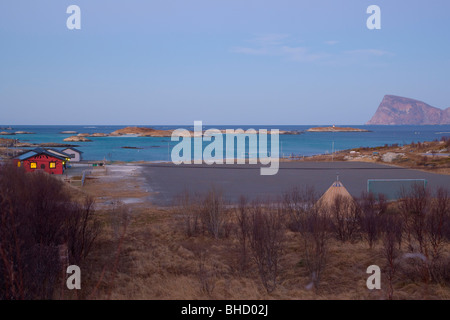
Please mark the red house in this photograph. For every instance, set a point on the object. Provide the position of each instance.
(41, 159)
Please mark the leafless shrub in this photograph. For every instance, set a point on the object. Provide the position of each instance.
(435, 221)
(121, 222)
(390, 251)
(243, 222)
(206, 274)
(414, 206)
(304, 215)
(204, 213)
(187, 206)
(296, 205)
(435, 233)
(82, 230)
(425, 216)
(345, 217)
(37, 218)
(266, 241)
(212, 212)
(371, 209)
(316, 236)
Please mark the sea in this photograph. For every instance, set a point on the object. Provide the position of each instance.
(157, 149)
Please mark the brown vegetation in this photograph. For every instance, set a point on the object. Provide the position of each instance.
(42, 230)
(173, 253)
(289, 248)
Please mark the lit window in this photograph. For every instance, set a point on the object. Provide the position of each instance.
(33, 165)
(18, 164)
(52, 165)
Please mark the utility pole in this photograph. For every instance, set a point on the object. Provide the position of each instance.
(332, 151)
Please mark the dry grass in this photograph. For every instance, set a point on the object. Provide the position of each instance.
(158, 260)
(413, 156)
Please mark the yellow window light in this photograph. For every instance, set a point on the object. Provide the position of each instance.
(33, 165)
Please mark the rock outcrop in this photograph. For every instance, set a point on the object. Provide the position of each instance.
(77, 139)
(395, 110)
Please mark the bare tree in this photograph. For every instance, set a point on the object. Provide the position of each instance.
(390, 251)
(414, 207)
(82, 230)
(435, 221)
(38, 217)
(316, 236)
(206, 274)
(304, 215)
(345, 216)
(266, 242)
(371, 210)
(212, 212)
(243, 221)
(187, 206)
(296, 205)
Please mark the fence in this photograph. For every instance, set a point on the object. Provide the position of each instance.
(392, 188)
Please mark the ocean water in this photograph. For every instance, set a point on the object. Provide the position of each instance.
(159, 149)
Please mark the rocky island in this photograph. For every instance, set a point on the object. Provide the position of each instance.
(77, 139)
(394, 110)
(149, 132)
(142, 132)
(336, 129)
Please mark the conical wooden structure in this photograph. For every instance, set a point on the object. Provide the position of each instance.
(335, 191)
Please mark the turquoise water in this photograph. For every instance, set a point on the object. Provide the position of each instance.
(159, 149)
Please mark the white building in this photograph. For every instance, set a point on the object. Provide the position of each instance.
(75, 154)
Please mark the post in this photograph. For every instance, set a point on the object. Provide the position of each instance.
(332, 151)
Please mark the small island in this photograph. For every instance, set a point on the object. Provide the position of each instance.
(77, 139)
(336, 129)
(149, 132)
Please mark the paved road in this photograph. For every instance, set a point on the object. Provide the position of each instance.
(235, 180)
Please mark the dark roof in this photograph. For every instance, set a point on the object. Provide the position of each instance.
(36, 152)
(79, 151)
(57, 152)
(26, 155)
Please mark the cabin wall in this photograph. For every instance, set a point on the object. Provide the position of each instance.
(43, 163)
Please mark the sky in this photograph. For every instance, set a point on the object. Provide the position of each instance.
(273, 62)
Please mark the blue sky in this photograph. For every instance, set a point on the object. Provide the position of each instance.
(223, 61)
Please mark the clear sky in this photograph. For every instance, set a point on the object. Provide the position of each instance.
(152, 62)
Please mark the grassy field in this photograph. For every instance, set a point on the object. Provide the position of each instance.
(144, 252)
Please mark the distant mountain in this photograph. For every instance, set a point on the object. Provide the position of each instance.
(398, 110)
